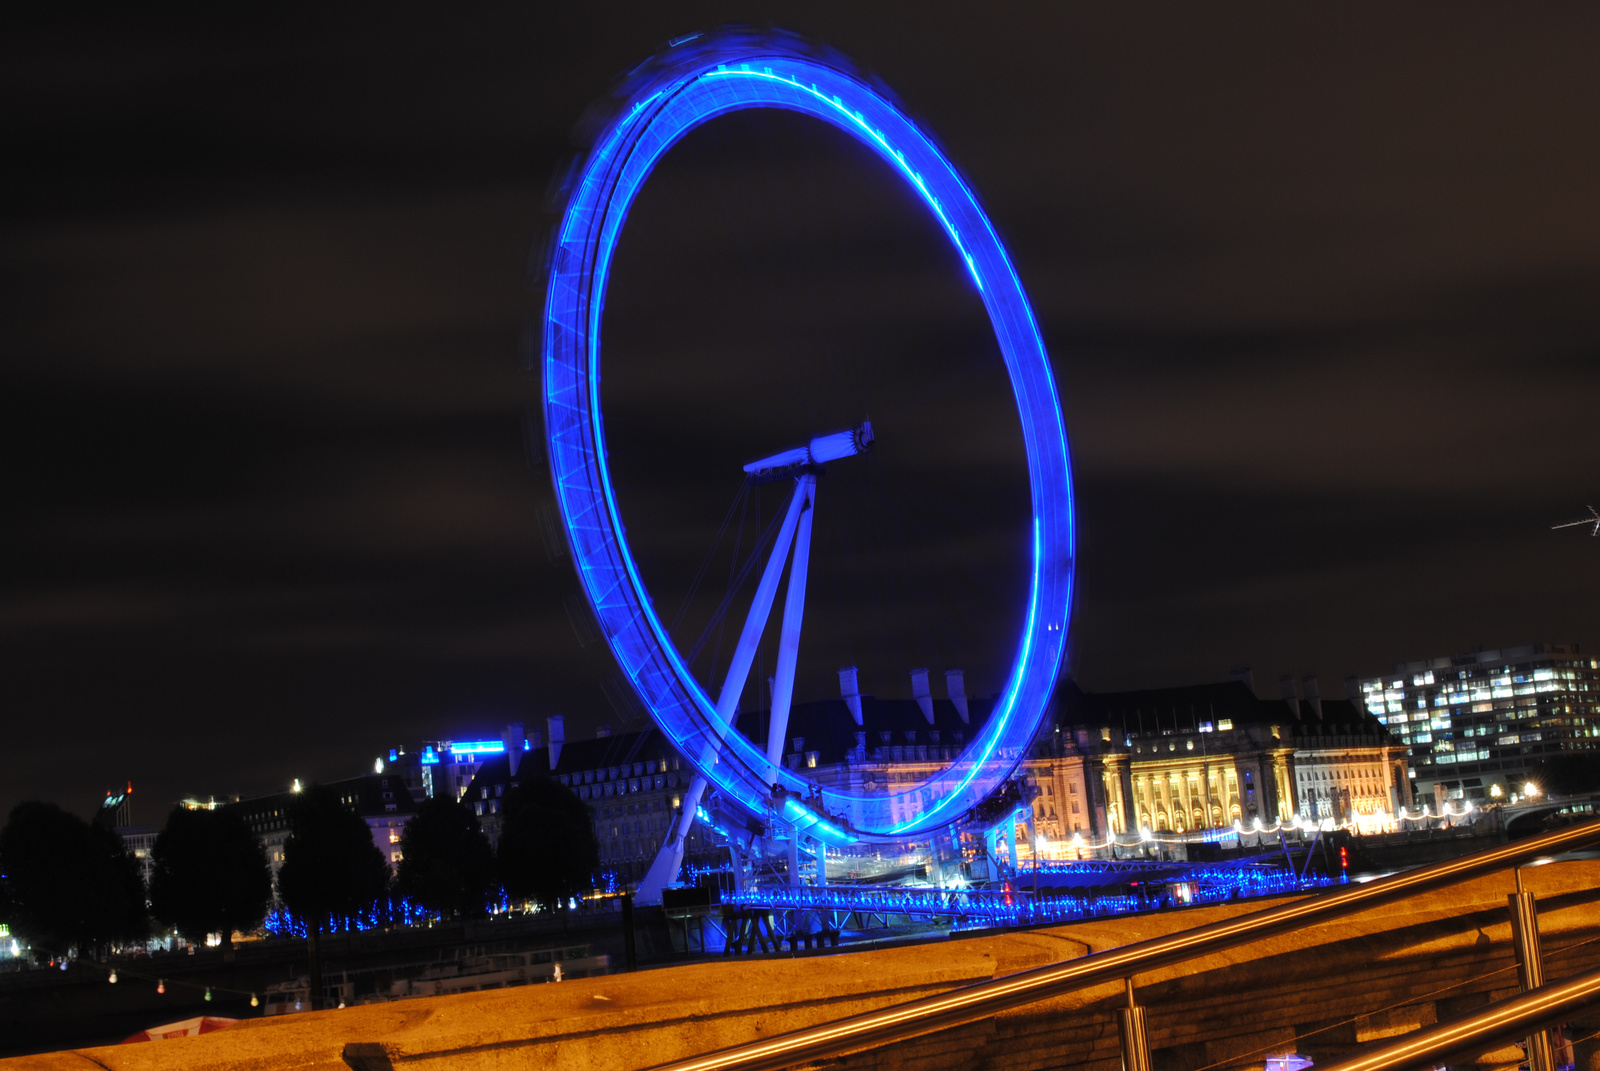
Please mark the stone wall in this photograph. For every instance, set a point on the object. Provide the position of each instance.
(1320, 991)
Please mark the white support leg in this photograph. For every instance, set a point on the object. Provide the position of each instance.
(760, 609)
(669, 859)
(794, 605)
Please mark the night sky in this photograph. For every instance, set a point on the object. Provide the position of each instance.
(1323, 299)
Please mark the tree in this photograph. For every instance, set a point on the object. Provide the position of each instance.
(446, 864)
(332, 872)
(68, 884)
(211, 875)
(547, 847)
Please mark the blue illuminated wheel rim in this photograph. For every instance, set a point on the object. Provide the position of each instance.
(690, 84)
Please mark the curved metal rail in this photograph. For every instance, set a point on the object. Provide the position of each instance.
(983, 999)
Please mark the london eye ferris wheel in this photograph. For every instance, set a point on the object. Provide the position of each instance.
(700, 81)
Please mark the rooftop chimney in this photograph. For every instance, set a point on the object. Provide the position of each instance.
(851, 692)
(1313, 694)
(556, 728)
(1290, 695)
(956, 682)
(1352, 692)
(1245, 676)
(919, 692)
(513, 739)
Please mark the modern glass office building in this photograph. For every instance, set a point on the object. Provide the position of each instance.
(1476, 724)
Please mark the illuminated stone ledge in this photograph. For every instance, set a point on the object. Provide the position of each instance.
(1384, 970)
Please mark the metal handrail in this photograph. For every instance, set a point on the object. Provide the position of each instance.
(1507, 1020)
(981, 1000)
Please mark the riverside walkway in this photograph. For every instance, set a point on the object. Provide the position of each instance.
(1316, 992)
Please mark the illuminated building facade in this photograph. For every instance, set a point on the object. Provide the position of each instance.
(631, 783)
(1184, 761)
(383, 802)
(1348, 767)
(1201, 758)
(116, 813)
(1476, 724)
(1062, 799)
(446, 767)
(869, 747)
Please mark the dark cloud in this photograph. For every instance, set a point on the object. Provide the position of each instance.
(1320, 293)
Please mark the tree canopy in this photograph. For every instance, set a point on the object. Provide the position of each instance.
(68, 884)
(446, 864)
(211, 875)
(331, 869)
(547, 849)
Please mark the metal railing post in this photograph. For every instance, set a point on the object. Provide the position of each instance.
(1448, 1043)
(1135, 1038)
(1530, 969)
(981, 1000)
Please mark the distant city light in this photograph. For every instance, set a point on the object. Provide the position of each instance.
(296, 786)
(377, 766)
(478, 747)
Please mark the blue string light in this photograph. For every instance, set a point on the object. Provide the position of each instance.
(985, 908)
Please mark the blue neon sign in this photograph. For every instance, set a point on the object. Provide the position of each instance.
(477, 747)
(697, 80)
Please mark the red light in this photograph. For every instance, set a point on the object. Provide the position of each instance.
(1344, 858)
